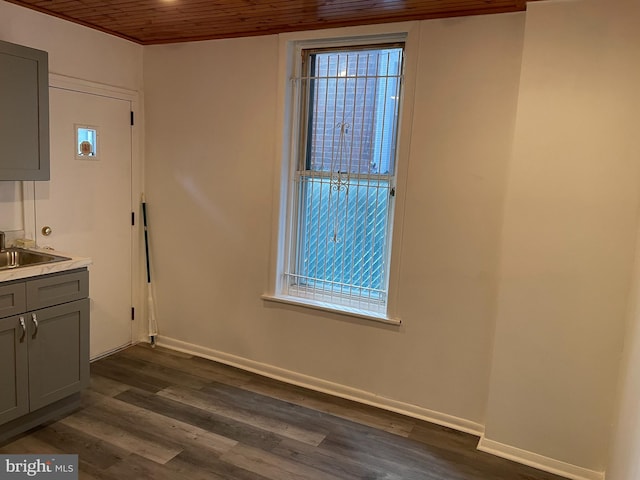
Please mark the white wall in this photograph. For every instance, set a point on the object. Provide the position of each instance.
(516, 326)
(464, 110)
(569, 234)
(11, 218)
(528, 218)
(211, 139)
(624, 461)
(74, 51)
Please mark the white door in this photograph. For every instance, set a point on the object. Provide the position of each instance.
(87, 205)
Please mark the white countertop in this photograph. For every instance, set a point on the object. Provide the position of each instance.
(35, 270)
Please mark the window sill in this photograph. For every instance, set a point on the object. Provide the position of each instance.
(332, 308)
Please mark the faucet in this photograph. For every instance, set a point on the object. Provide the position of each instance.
(2, 241)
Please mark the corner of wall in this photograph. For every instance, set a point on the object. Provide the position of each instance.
(540, 462)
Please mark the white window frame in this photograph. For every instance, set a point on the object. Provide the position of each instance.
(291, 46)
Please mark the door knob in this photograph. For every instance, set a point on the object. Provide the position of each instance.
(46, 230)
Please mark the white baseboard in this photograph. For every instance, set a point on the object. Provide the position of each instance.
(324, 386)
(540, 462)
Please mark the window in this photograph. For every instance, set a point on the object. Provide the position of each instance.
(343, 184)
(86, 143)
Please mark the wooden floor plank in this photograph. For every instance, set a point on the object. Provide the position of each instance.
(29, 445)
(336, 464)
(161, 373)
(354, 411)
(198, 464)
(194, 366)
(159, 414)
(154, 425)
(106, 386)
(89, 424)
(272, 466)
(227, 408)
(445, 437)
(142, 468)
(244, 433)
(89, 449)
(376, 457)
(131, 378)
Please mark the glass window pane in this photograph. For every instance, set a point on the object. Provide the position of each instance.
(354, 108)
(343, 236)
(86, 142)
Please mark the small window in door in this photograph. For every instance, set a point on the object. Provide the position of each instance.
(86, 142)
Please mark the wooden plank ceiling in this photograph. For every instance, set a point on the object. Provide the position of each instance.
(166, 21)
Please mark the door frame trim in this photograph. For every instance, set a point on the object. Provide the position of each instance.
(79, 85)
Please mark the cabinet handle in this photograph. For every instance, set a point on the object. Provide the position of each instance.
(24, 329)
(34, 319)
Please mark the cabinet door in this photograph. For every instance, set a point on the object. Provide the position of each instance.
(24, 116)
(58, 352)
(14, 374)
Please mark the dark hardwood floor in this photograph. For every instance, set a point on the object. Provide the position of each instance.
(158, 414)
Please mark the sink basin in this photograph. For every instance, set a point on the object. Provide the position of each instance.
(18, 257)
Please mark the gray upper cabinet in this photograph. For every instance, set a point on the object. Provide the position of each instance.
(24, 113)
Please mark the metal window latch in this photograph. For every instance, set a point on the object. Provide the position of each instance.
(392, 192)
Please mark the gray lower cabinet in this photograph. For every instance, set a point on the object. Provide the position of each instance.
(44, 352)
(14, 371)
